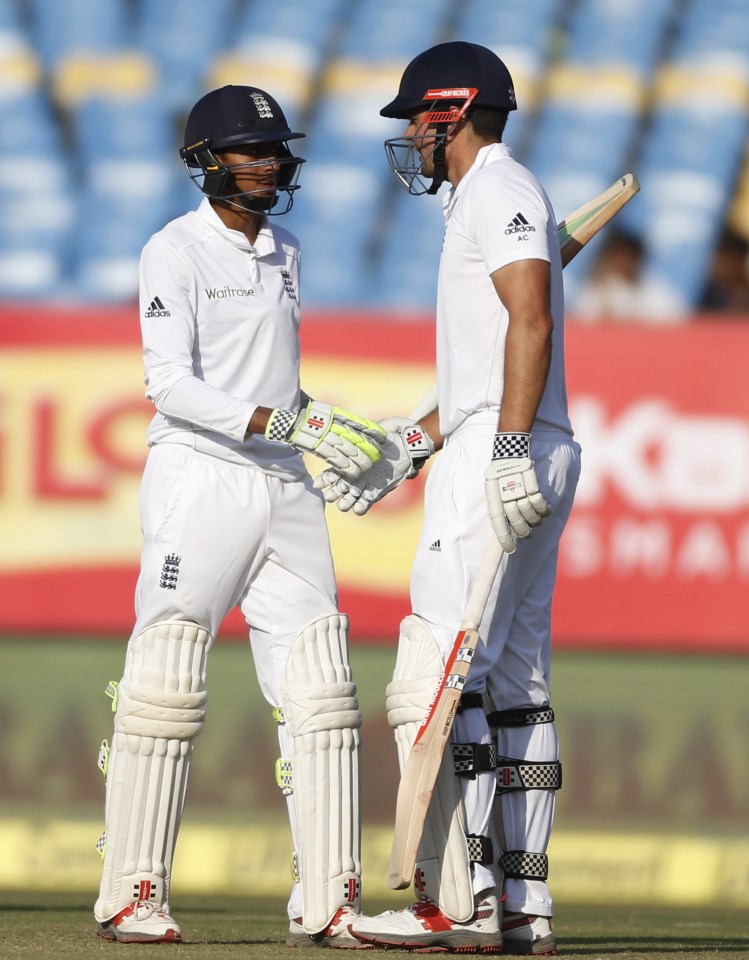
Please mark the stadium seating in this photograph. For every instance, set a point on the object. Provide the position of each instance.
(69, 28)
(344, 206)
(93, 96)
(523, 35)
(693, 149)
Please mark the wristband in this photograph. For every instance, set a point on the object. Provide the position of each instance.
(511, 445)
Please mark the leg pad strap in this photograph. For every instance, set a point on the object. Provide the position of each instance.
(522, 865)
(472, 758)
(528, 775)
(521, 717)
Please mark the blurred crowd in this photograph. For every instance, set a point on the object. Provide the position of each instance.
(615, 289)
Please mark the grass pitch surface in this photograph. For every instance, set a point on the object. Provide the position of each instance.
(61, 926)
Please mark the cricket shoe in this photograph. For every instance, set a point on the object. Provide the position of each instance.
(140, 922)
(336, 935)
(423, 927)
(528, 935)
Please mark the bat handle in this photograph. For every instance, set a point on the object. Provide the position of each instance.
(482, 585)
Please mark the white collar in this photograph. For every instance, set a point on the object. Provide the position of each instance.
(487, 154)
(263, 246)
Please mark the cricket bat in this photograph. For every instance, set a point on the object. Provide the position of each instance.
(421, 769)
(582, 225)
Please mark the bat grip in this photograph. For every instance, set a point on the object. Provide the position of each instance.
(482, 585)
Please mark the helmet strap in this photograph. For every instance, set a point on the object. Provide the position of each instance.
(439, 159)
(440, 168)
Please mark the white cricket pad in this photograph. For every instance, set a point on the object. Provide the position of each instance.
(443, 868)
(322, 715)
(160, 710)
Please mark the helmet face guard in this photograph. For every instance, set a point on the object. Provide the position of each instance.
(405, 155)
(219, 180)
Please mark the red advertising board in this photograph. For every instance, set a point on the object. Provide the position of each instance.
(656, 554)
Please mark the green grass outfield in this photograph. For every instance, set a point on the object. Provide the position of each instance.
(654, 808)
(58, 926)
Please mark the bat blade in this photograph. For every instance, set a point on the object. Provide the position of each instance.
(416, 788)
(579, 227)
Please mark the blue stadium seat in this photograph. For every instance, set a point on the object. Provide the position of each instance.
(631, 34)
(521, 34)
(60, 29)
(694, 147)
(105, 128)
(390, 30)
(281, 48)
(333, 219)
(345, 152)
(584, 139)
(111, 237)
(183, 39)
(36, 230)
(688, 168)
(10, 17)
(710, 28)
(405, 275)
(297, 20)
(27, 124)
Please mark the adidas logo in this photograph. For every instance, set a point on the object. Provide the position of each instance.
(156, 309)
(519, 224)
(436, 547)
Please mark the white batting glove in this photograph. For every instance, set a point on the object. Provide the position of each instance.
(515, 503)
(404, 453)
(347, 442)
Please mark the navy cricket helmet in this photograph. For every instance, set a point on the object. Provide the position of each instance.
(449, 67)
(233, 117)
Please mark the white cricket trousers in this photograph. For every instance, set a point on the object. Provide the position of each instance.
(218, 534)
(513, 662)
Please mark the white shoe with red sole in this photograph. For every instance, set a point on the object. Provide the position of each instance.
(423, 927)
(526, 935)
(140, 922)
(336, 935)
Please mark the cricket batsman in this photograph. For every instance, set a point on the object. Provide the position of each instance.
(230, 518)
(508, 468)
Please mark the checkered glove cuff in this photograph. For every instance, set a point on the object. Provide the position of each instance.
(511, 445)
(279, 424)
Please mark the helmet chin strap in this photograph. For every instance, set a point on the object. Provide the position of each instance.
(439, 158)
(440, 169)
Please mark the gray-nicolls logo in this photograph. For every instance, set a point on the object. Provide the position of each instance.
(170, 572)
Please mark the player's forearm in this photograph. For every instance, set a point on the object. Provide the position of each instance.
(259, 421)
(524, 289)
(527, 361)
(203, 405)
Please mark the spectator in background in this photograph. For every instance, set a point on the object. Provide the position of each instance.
(727, 287)
(617, 291)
